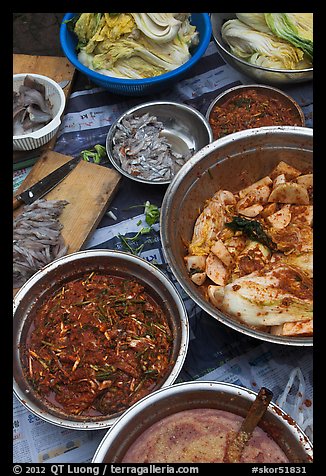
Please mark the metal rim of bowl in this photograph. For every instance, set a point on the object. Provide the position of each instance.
(23, 394)
(261, 88)
(139, 107)
(202, 303)
(245, 63)
(205, 386)
(60, 92)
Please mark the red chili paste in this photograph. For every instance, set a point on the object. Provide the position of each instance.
(98, 345)
(250, 109)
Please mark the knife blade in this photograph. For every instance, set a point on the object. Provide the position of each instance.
(64, 83)
(39, 189)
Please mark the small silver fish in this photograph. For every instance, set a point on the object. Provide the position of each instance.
(143, 150)
(37, 238)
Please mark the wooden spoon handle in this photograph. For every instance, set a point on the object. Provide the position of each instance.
(256, 412)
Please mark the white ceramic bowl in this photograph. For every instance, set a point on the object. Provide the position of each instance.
(56, 96)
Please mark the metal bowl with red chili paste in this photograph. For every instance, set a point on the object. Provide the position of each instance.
(100, 341)
(250, 106)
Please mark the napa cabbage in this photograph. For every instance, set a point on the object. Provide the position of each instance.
(262, 298)
(296, 28)
(260, 48)
(254, 20)
(134, 45)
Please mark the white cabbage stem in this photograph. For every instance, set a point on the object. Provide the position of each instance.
(161, 27)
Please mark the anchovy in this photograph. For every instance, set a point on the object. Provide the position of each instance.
(37, 238)
(144, 151)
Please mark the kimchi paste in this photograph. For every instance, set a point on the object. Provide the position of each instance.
(249, 109)
(98, 345)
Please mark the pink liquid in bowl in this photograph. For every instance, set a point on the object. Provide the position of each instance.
(200, 436)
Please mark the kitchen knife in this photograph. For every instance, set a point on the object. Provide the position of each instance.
(39, 189)
(64, 83)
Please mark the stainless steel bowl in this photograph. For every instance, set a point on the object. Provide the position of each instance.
(206, 394)
(268, 91)
(259, 73)
(222, 164)
(186, 129)
(51, 278)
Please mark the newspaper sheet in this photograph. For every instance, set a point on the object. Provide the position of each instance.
(215, 352)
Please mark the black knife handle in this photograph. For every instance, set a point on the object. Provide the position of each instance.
(17, 201)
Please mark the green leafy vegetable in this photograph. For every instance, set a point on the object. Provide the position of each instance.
(142, 231)
(252, 229)
(134, 250)
(152, 213)
(94, 155)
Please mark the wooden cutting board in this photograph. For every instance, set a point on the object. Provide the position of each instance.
(89, 188)
(55, 67)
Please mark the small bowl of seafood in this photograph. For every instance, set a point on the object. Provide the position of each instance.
(150, 142)
(195, 422)
(38, 103)
(237, 232)
(94, 332)
(272, 48)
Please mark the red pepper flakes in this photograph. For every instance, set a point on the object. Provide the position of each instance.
(98, 345)
(250, 109)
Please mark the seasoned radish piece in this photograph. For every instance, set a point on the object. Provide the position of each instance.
(220, 250)
(268, 210)
(236, 244)
(198, 278)
(225, 197)
(281, 218)
(302, 214)
(252, 211)
(290, 193)
(260, 183)
(305, 180)
(197, 263)
(278, 180)
(286, 169)
(216, 270)
(216, 294)
(259, 195)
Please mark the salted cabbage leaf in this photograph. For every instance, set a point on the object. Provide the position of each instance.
(135, 45)
(263, 298)
(296, 28)
(254, 20)
(257, 47)
(87, 25)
